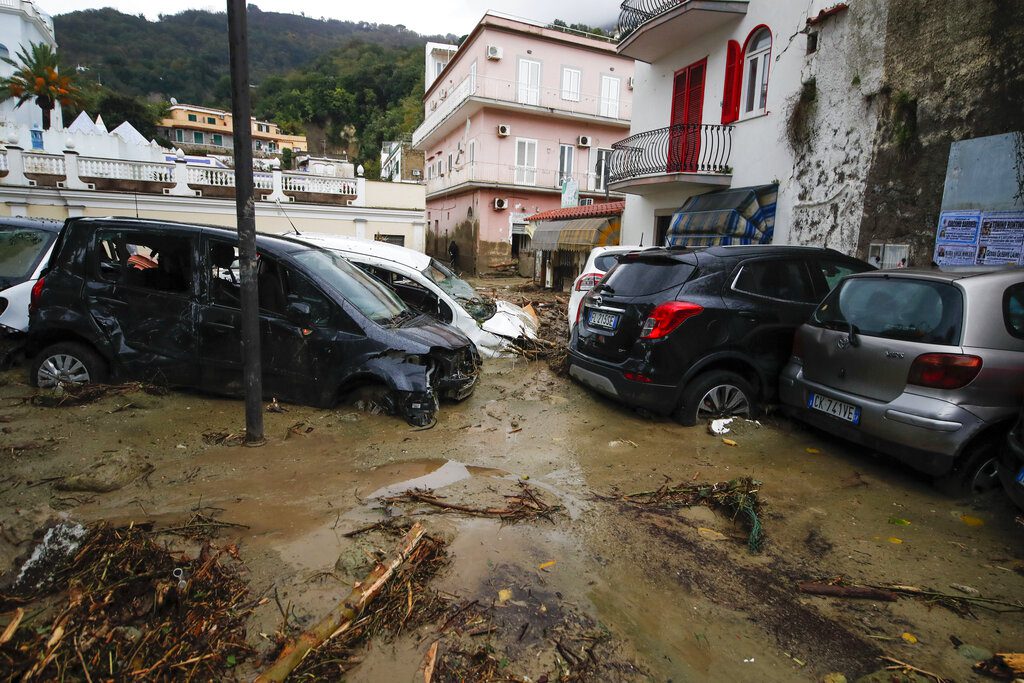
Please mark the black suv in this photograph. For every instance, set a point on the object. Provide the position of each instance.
(700, 333)
(159, 301)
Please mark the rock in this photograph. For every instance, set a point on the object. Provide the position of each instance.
(973, 652)
(353, 562)
(109, 474)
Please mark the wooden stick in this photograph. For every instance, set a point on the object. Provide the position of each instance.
(8, 633)
(865, 592)
(431, 662)
(338, 619)
(914, 590)
(907, 667)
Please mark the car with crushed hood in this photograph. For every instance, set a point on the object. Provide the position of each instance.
(25, 245)
(129, 299)
(429, 286)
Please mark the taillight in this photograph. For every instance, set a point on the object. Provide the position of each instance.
(585, 283)
(798, 348)
(944, 370)
(637, 377)
(37, 289)
(667, 317)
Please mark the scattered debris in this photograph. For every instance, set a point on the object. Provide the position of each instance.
(201, 527)
(729, 442)
(526, 504)
(112, 472)
(738, 497)
(275, 407)
(897, 665)
(116, 610)
(1006, 665)
(76, 395)
(841, 591)
(959, 604)
(212, 438)
(720, 426)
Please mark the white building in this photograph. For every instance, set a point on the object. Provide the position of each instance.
(724, 91)
(21, 24)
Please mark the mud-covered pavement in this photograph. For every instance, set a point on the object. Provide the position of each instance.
(679, 592)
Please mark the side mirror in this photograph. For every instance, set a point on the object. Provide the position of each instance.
(299, 312)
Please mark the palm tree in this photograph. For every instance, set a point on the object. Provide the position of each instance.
(36, 78)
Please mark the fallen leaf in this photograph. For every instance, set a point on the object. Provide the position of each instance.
(899, 521)
(504, 595)
(729, 442)
(549, 563)
(972, 521)
(710, 534)
(812, 451)
(893, 539)
(909, 637)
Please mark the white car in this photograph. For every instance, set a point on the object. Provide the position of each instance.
(429, 286)
(25, 246)
(599, 262)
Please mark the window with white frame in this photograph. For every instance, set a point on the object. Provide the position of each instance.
(528, 82)
(526, 162)
(610, 86)
(571, 84)
(755, 72)
(602, 169)
(566, 154)
(882, 255)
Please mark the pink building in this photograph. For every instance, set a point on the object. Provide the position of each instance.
(510, 115)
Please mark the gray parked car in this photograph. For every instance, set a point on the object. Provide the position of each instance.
(927, 367)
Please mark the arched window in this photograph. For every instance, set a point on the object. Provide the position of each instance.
(756, 58)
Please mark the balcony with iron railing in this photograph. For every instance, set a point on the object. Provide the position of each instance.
(650, 29)
(526, 177)
(508, 94)
(684, 153)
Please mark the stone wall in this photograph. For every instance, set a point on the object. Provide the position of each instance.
(952, 71)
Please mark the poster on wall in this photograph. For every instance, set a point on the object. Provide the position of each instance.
(975, 238)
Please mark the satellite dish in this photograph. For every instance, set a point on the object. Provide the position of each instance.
(174, 100)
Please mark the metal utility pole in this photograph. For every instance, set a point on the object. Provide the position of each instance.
(238, 45)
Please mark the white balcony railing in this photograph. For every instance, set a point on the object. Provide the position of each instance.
(45, 164)
(125, 170)
(298, 182)
(508, 174)
(619, 109)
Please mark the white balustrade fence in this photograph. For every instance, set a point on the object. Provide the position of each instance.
(47, 164)
(297, 182)
(125, 170)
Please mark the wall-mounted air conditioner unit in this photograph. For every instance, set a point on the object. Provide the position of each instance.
(583, 141)
(630, 82)
(503, 130)
(494, 52)
(586, 201)
(500, 203)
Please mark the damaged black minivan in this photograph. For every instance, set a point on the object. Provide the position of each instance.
(159, 301)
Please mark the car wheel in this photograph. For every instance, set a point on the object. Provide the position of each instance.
(716, 394)
(67, 363)
(975, 472)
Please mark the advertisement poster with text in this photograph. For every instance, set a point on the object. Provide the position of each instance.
(1001, 240)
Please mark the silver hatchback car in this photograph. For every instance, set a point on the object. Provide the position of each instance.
(924, 366)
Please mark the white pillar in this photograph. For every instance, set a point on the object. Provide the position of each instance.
(360, 228)
(181, 188)
(360, 199)
(71, 179)
(419, 236)
(16, 166)
(277, 193)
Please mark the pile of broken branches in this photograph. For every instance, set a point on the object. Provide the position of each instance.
(524, 505)
(115, 609)
(738, 497)
(75, 395)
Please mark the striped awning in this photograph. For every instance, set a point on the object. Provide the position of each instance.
(581, 234)
(744, 215)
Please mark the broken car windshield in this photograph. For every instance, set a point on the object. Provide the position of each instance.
(476, 304)
(20, 251)
(372, 298)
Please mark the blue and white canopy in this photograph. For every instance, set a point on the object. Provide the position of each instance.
(742, 215)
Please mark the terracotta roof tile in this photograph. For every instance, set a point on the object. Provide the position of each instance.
(572, 212)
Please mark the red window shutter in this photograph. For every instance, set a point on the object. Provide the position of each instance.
(733, 80)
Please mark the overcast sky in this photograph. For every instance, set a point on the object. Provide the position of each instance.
(449, 16)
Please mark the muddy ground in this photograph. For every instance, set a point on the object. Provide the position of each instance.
(679, 592)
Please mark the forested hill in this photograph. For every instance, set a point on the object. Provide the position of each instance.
(186, 55)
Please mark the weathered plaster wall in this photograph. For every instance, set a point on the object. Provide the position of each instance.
(953, 71)
(830, 126)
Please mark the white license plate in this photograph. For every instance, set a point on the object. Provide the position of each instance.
(840, 409)
(600, 319)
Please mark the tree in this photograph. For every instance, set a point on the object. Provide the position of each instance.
(36, 79)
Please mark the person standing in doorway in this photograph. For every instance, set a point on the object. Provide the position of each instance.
(453, 255)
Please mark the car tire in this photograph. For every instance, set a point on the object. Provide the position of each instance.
(69, 363)
(976, 471)
(718, 387)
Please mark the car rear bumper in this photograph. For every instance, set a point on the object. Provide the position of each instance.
(607, 379)
(925, 432)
